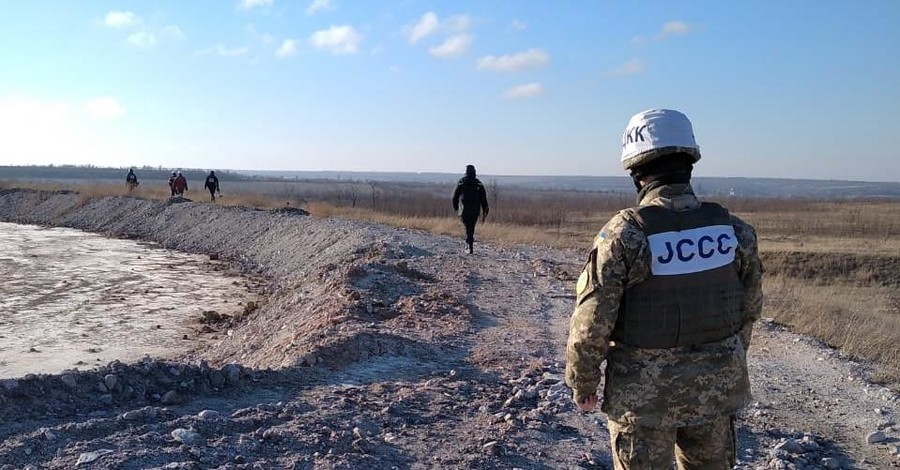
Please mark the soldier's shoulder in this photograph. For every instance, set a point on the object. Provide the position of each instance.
(620, 226)
(742, 225)
(744, 232)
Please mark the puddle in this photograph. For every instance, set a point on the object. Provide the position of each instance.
(71, 299)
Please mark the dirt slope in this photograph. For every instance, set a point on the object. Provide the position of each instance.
(384, 348)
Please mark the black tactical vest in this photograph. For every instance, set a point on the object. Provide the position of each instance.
(694, 294)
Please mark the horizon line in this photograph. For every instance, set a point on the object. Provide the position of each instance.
(435, 172)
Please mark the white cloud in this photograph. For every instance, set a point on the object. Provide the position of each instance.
(223, 51)
(668, 30)
(267, 38)
(426, 26)
(524, 91)
(287, 49)
(454, 46)
(120, 19)
(247, 4)
(518, 25)
(674, 28)
(429, 25)
(456, 24)
(317, 6)
(173, 31)
(104, 107)
(337, 39)
(529, 59)
(632, 67)
(145, 37)
(142, 39)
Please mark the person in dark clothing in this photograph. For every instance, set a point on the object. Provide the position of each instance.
(471, 193)
(131, 180)
(179, 185)
(172, 183)
(212, 184)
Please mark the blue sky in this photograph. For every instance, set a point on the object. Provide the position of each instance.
(798, 89)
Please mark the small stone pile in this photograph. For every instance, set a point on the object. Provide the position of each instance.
(803, 452)
(535, 396)
(148, 381)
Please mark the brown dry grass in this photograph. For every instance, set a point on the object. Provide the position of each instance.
(860, 320)
(503, 233)
(831, 262)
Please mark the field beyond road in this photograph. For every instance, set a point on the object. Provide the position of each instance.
(380, 347)
(833, 267)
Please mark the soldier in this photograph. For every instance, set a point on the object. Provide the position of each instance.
(474, 200)
(668, 298)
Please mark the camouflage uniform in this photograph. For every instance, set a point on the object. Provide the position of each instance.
(658, 398)
(703, 446)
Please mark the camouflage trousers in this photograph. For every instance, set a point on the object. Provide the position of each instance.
(707, 446)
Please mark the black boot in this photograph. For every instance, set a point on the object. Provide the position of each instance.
(470, 247)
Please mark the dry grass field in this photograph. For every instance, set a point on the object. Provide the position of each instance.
(833, 267)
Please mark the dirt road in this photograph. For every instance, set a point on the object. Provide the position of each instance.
(386, 348)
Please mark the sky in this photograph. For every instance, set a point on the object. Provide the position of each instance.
(799, 89)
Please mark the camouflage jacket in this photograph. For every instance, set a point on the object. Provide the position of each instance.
(656, 387)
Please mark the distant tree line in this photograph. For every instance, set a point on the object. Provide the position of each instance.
(91, 172)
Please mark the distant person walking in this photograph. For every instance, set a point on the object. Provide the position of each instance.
(131, 180)
(212, 184)
(172, 183)
(179, 185)
(471, 193)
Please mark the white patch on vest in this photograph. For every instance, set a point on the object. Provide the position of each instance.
(692, 251)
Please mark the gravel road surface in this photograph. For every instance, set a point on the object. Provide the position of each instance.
(376, 347)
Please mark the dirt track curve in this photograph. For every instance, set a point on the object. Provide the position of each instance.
(385, 348)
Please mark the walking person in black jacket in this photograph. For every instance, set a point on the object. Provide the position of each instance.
(473, 196)
(212, 184)
(131, 180)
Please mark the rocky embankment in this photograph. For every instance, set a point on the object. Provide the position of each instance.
(383, 348)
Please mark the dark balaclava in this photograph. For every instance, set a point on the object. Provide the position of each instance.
(470, 171)
(671, 169)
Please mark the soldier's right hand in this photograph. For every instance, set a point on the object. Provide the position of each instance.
(589, 403)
